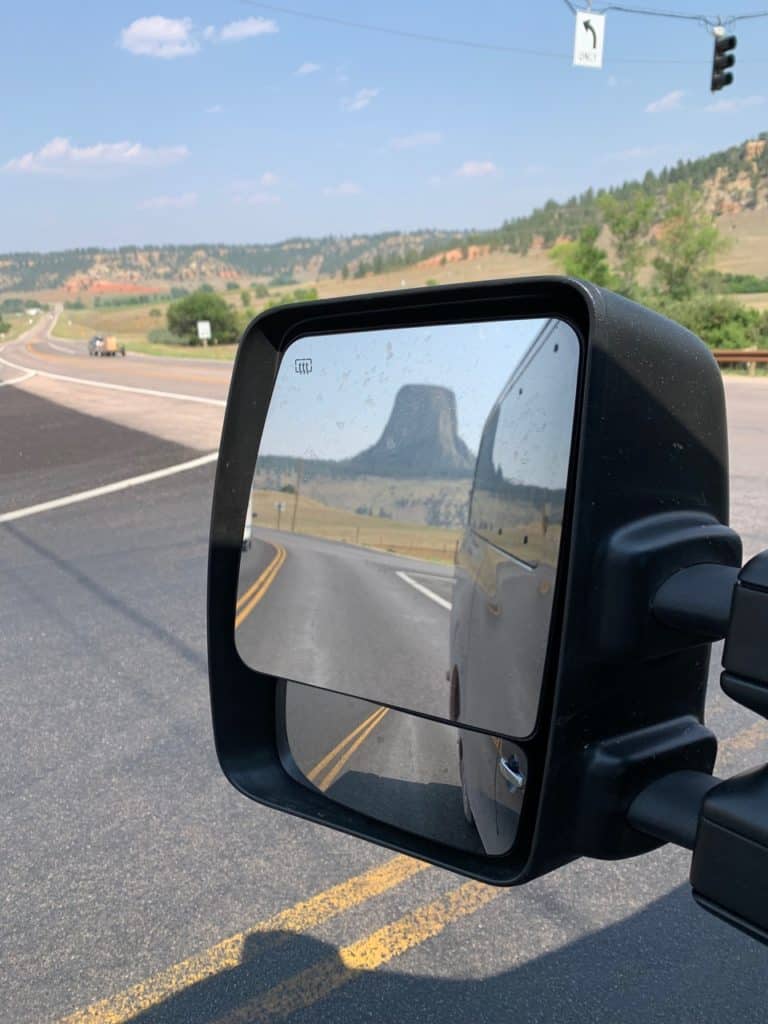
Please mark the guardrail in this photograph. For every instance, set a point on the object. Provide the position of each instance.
(748, 356)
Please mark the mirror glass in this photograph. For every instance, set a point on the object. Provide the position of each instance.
(403, 535)
(451, 785)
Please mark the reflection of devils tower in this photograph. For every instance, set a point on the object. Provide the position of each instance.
(420, 439)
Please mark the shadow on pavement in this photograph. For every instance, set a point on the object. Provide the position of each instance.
(669, 962)
(111, 600)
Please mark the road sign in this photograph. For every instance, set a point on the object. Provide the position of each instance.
(204, 330)
(589, 39)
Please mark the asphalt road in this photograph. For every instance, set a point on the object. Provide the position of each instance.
(127, 859)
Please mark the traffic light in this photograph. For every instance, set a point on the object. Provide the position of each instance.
(722, 59)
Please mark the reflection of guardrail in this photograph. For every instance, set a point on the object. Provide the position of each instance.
(746, 356)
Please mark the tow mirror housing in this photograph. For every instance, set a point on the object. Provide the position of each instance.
(441, 636)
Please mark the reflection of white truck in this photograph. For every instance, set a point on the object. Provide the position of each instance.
(248, 528)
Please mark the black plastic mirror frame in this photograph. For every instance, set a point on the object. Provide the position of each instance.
(649, 391)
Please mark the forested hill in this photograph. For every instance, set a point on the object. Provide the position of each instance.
(731, 181)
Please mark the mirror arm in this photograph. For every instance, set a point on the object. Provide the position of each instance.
(669, 808)
(697, 600)
(724, 823)
(719, 601)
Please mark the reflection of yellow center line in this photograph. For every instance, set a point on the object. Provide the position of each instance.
(247, 945)
(322, 764)
(308, 987)
(258, 589)
(368, 726)
(257, 582)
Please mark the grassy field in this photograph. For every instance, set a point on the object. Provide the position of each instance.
(131, 325)
(315, 519)
(224, 353)
(19, 323)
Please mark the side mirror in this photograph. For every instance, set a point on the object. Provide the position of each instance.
(439, 635)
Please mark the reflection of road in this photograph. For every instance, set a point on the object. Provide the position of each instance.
(393, 766)
(341, 617)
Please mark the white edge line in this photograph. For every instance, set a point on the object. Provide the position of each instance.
(119, 387)
(421, 589)
(18, 380)
(118, 485)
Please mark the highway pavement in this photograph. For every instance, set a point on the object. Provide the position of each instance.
(41, 351)
(137, 885)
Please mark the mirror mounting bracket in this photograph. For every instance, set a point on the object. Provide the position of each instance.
(724, 823)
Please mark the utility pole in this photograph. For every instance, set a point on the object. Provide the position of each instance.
(299, 467)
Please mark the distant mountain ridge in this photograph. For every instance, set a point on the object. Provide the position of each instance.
(731, 181)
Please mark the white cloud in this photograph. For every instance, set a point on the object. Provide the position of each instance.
(160, 37)
(417, 140)
(59, 156)
(209, 32)
(182, 202)
(307, 68)
(269, 179)
(215, 108)
(670, 101)
(435, 181)
(360, 100)
(477, 169)
(248, 28)
(346, 188)
(739, 103)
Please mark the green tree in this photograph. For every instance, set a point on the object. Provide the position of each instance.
(584, 258)
(245, 298)
(629, 220)
(718, 320)
(688, 243)
(182, 317)
(4, 326)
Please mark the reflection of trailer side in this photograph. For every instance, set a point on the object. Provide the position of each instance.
(506, 569)
(105, 346)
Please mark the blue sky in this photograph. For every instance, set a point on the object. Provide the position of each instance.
(230, 122)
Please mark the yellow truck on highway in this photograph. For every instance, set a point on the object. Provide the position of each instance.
(99, 345)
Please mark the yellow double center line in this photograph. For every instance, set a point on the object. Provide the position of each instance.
(344, 750)
(231, 952)
(248, 601)
(331, 972)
